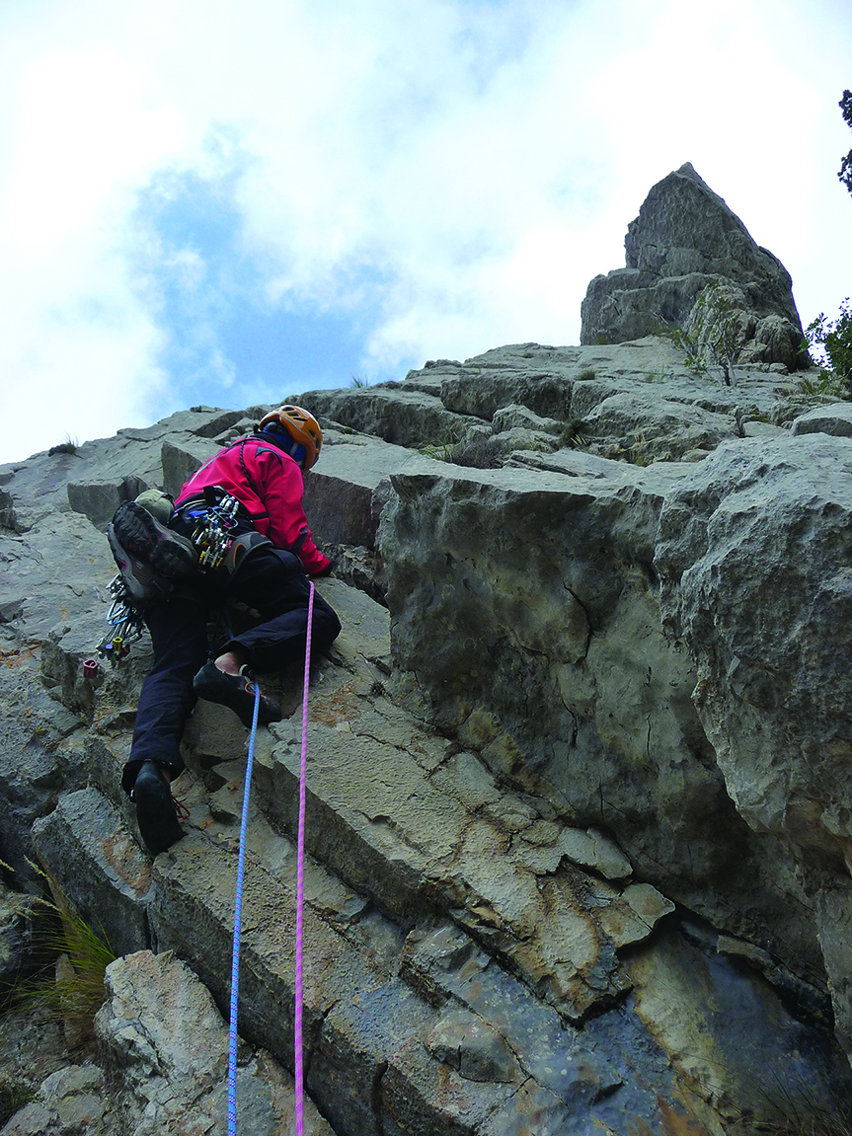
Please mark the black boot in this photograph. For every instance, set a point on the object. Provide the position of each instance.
(235, 692)
(155, 808)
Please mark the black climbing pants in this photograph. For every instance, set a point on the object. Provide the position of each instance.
(269, 581)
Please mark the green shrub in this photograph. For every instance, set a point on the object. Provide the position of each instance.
(834, 339)
(475, 453)
(845, 172)
(694, 358)
(722, 336)
(69, 446)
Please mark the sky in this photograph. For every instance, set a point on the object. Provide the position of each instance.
(222, 203)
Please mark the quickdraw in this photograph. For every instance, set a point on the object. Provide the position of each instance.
(124, 621)
(214, 533)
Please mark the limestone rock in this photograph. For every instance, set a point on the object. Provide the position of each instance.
(173, 1066)
(655, 429)
(528, 623)
(576, 763)
(676, 986)
(405, 416)
(773, 692)
(16, 912)
(461, 1040)
(180, 462)
(100, 865)
(99, 499)
(684, 239)
(162, 1066)
(834, 419)
(781, 694)
(71, 1100)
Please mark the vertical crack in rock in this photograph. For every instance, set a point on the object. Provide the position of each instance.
(589, 630)
(376, 1102)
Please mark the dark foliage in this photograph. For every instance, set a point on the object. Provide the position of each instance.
(845, 173)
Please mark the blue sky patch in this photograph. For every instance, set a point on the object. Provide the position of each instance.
(226, 343)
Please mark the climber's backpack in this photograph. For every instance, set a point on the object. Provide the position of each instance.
(152, 557)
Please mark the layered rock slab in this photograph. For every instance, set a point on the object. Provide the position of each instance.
(419, 1025)
(421, 830)
(533, 389)
(525, 615)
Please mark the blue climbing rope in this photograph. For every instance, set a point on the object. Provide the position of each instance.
(238, 904)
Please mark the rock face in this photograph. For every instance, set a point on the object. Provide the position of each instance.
(163, 1064)
(684, 239)
(579, 795)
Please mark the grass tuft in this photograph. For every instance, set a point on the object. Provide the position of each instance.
(795, 1110)
(70, 958)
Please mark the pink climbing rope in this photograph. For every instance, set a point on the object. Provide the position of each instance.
(298, 1072)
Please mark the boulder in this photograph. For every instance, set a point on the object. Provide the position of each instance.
(169, 1068)
(162, 1072)
(98, 500)
(834, 419)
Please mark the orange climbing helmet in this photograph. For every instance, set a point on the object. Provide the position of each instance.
(303, 429)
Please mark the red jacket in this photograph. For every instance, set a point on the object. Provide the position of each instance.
(269, 483)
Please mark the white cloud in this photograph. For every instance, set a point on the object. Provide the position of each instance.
(461, 169)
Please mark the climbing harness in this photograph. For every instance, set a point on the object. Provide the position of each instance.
(298, 1074)
(124, 621)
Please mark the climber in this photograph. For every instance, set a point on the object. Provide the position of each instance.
(256, 482)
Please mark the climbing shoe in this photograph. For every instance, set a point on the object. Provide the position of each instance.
(236, 692)
(142, 535)
(155, 808)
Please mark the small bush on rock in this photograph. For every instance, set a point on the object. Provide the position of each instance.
(717, 332)
(834, 339)
(574, 434)
(476, 453)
